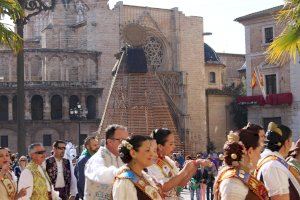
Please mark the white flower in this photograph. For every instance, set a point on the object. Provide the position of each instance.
(127, 144)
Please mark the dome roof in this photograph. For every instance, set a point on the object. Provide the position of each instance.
(210, 55)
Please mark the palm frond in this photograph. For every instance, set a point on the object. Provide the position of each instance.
(12, 8)
(10, 38)
(285, 46)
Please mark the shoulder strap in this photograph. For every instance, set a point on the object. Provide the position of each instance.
(165, 167)
(295, 172)
(256, 186)
(264, 161)
(225, 173)
(140, 183)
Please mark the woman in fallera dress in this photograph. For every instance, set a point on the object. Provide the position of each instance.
(132, 183)
(8, 183)
(272, 168)
(164, 170)
(241, 154)
(293, 160)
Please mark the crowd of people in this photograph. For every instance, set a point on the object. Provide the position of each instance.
(253, 165)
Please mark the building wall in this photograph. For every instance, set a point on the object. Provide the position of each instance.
(287, 73)
(233, 63)
(295, 108)
(92, 26)
(220, 119)
(219, 74)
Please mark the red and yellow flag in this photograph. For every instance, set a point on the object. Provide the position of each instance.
(253, 80)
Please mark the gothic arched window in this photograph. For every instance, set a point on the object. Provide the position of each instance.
(3, 108)
(37, 107)
(56, 107)
(91, 107)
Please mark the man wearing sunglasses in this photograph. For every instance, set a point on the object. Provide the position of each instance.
(102, 167)
(61, 172)
(33, 177)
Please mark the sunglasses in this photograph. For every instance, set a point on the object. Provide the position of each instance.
(40, 152)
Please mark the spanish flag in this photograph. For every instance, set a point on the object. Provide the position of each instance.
(253, 80)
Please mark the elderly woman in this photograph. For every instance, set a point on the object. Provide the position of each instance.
(272, 168)
(241, 154)
(293, 158)
(22, 164)
(8, 186)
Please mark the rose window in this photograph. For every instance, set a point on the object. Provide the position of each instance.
(154, 52)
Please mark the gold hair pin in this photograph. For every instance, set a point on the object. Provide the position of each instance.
(232, 137)
(274, 128)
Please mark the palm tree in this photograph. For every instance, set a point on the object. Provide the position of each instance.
(8, 37)
(287, 44)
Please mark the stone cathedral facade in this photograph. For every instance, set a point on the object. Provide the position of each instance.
(69, 58)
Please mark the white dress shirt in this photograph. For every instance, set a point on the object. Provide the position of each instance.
(26, 180)
(276, 176)
(233, 189)
(60, 181)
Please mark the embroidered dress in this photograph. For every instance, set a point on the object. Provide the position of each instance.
(129, 186)
(162, 172)
(100, 172)
(294, 168)
(8, 188)
(274, 172)
(237, 184)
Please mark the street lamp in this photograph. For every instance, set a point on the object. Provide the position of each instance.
(78, 113)
(34, 7)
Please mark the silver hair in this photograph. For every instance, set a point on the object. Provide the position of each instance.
(31, 147)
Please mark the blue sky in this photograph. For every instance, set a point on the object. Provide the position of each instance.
(218, 15)
(227, 35)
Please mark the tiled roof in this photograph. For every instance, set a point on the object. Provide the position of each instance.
(261, 13)
(210, 55)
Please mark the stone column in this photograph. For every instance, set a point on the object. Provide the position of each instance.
(47, 107)
(27, 106)
(99, 107)
(10, 107)
(66, 107)
(83, 101)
